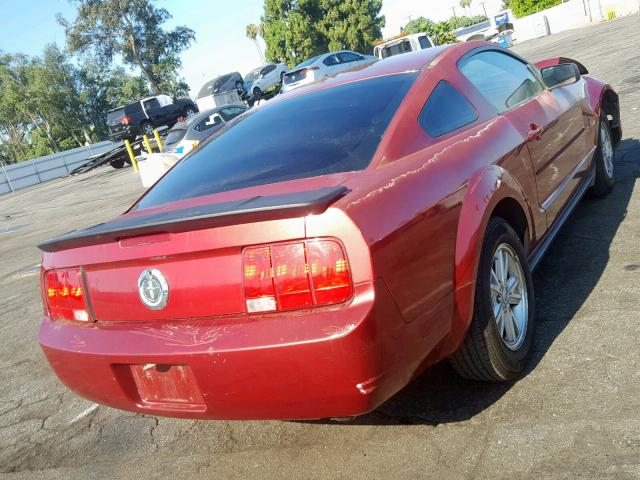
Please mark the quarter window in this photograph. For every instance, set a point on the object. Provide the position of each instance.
(502, 79)
(446, 110)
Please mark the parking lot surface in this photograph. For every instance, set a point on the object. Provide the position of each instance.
(574, 415)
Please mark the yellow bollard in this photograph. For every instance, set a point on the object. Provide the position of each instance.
(131, 155)
(147, 144)
(158, 141)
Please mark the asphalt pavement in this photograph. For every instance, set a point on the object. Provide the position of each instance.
(576, 414)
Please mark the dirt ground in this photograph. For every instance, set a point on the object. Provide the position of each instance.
(574, 415)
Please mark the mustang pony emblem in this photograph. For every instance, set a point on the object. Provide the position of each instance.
(153, 289)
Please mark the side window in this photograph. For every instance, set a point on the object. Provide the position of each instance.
(331, 60)
(424, 42)
(347, 57)
(151, 103)
(231, 112)
(502, 79)
(213, 121)
(446, 110)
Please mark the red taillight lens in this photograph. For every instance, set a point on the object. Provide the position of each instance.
(64, 295)
(295, 275)
(125, 121)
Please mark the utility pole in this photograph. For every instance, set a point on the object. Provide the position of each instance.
(454, 12)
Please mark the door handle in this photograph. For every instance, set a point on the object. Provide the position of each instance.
(535, 132)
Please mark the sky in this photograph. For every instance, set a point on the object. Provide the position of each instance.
(220, 47)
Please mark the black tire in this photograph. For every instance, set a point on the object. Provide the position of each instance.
(146, 129)
(484, 355)
(257, 94)
(117, 163)
(188, 112)
(605, 174)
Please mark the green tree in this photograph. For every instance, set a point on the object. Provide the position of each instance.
(351, 24)
(418, 25)
(440, 32)
(522, 8)
(295, 30)
(131, 30)
(464, 21)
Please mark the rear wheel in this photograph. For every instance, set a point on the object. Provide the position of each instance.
(118, 163)
(499, 339)
(188, 112)
(603, 158)
(147, 129)
(257, 94)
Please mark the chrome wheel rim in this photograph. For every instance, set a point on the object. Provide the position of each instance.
(607, 149)
(509, 297)
(148, 129)
(189, 112)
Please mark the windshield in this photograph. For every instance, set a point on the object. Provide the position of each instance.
(340, 131)
(252, 75)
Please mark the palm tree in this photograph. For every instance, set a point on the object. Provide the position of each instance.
(252, 31)
(465, 4)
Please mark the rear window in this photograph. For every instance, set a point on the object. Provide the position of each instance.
(133, 108)
(397, 49)
(175, 135)
(115, 115)
(327, 131)
(306, 63)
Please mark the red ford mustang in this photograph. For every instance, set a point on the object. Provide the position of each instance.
(320, 251)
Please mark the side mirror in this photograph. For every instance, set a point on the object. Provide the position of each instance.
(560, 75)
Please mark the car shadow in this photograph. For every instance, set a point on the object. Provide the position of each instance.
(563, 282)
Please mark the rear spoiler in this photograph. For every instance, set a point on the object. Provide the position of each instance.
(549, 62)
(247, 210)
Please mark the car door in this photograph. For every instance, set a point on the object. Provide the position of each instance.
(153, 110)
(268, 77)
(349, 59)
(548, 128)
(330, 64)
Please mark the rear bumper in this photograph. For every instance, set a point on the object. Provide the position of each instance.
(130, 131)
(309, 364)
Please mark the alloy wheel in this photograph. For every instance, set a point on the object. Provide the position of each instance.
(607, 149)
(509, 298)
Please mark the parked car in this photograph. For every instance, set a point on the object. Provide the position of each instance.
(263, 79)
(322, 66)
(309, 269)
(186, 135)
(223, 90)
(143, 116)
(404, 43)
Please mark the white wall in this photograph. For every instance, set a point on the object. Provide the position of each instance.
(572, 14)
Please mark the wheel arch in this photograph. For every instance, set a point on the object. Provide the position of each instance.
(491, 192)
(602, 97)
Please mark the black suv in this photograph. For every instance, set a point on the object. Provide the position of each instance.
(143, 116)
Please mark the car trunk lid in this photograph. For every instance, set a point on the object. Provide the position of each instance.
(196, 250)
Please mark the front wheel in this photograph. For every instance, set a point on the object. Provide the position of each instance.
(499, 339)
(188, 112)
(603, 158)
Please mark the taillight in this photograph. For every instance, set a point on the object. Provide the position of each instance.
(125, 121)
(64, 295)
(295, 275)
